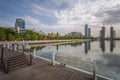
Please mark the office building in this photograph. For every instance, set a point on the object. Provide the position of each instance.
(86, 30)
(89, 32)
(102, 33)
(20, 23)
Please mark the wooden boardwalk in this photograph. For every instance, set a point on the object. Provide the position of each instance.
(43, 70)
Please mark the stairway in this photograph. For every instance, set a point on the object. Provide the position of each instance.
(15, 62)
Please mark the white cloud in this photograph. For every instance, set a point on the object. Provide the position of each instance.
(42, 11)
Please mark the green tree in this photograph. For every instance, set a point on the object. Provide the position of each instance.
(27, 36)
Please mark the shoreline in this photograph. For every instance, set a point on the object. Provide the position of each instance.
(45, 41)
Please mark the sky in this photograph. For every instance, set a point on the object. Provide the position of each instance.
(62, 16)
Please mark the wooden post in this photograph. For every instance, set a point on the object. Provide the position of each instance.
(2, 50)
(7, 70)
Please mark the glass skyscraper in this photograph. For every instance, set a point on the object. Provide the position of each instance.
(86, 30)
(20, 23)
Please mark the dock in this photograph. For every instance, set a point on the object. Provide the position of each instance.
(21, 66)
(43, 70)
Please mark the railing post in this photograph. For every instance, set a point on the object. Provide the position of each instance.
(34, 52)
(23, 48)
(53, 58)
(30, 58)
(2, 55)
(7, 70)
(94, 70)
(8, 45)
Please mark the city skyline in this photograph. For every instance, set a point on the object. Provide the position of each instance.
(62, 16)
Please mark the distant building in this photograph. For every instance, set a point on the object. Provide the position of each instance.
(74, 34)
(86, 30)
(102, 33)
(89, 32)
(112, 33)
(20, 23)
(40, 32)
(51, 34)
(20, 26)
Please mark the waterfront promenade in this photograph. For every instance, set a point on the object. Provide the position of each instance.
(43, 70)
(45, 41)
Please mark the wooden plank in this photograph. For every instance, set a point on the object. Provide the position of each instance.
(43, 70)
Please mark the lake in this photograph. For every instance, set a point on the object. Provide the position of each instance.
(106, 54)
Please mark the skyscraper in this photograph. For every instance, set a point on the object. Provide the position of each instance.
(86, 30)
(102, 33)
(89, 32)
(20, 23)
(111, 33)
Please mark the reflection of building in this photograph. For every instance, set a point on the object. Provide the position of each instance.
(102, 45)
(87, 47)
(87, 31)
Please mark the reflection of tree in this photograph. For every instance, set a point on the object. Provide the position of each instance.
(71, 44)
(37, 48)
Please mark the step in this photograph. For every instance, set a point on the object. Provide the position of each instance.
(19, 64)
(16, 62)
(17, 56)
(18, 67)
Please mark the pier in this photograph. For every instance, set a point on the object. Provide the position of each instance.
(22, 66)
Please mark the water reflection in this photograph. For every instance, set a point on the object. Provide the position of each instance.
(102, 45)
(103, 48)
(112, 45)
(87, 47)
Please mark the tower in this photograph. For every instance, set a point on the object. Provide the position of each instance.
(20, 23)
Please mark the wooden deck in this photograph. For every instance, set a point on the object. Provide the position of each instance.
(43, 70)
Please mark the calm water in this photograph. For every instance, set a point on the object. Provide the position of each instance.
(81, 55)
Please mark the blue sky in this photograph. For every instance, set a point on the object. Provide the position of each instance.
(61, 16)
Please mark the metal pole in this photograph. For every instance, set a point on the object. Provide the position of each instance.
(53, 58)
(94, 70)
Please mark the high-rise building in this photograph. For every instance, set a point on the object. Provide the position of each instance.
(20, 23)
(102, 33)
(111, 33)
(86, 30)
(89, 32)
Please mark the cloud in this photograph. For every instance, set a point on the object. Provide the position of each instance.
(68, 15)
(42, 11)
(112, 15)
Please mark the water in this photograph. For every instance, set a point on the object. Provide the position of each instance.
(81, 55)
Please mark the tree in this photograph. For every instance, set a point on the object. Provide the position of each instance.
(27, 36)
